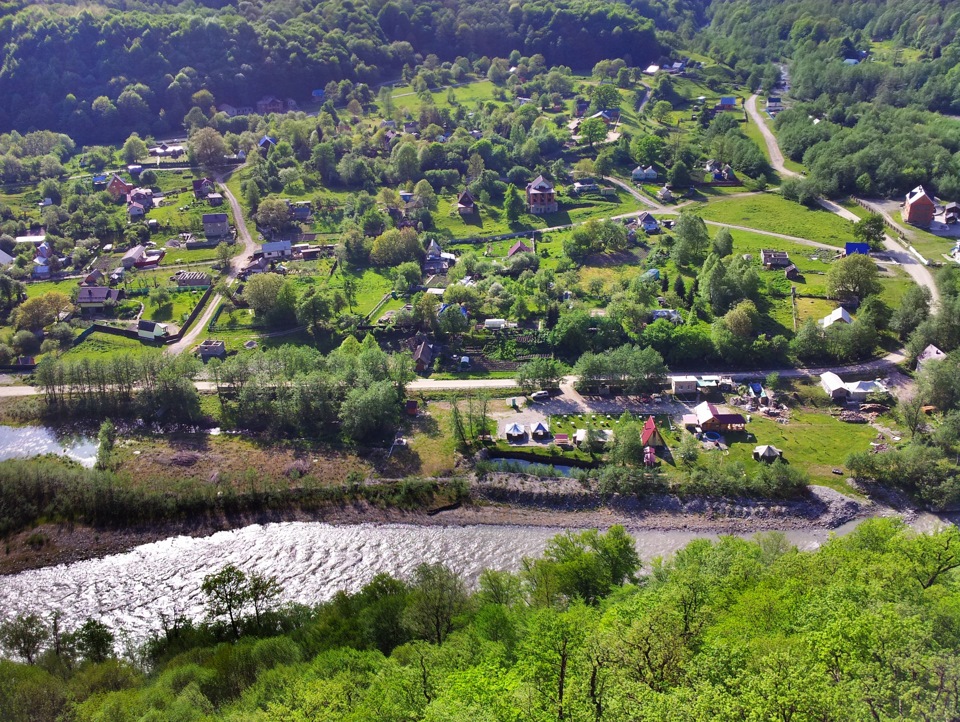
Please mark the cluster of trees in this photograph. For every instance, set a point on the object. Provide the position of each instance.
(176, 64)
(869, 148)
(356, 390)
(570, 636)
(151, 386)
(630, 368)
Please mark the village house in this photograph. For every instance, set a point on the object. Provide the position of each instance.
(269, 104)
(710, 418)
(837, 315)
(774, 259)
(133, 257)
(541, 196)
(644, 174)
(727, 102)
(951, 212)
(466, 205)
(436, 261)
(300, 210)
(93, 278)
(143, 196)
(203, 187)
(210, 348)
(151, 330)
(648, 223)
(215, 225)
(93, 299)
(683, 385)
(518, 247)
(118, 188)
(929, 354)
(791, 272)
(774, 104)
(215, 199)
(423, 357)
(136, 210)
(918, 208)
(585, 185)
(838, 390)
(273, 250)
(229, 110)
(665, 195)
(265, 145)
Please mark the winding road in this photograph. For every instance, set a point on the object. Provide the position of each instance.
(914, 268)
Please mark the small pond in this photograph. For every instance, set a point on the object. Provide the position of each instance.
(22, 442)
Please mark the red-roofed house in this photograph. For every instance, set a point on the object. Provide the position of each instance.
(519, 247)
(650, 436)
(918, 209)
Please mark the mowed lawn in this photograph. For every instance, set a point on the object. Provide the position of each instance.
(814, 441)
(771, 212)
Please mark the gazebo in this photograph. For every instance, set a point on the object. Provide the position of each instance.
(540, 430)
(767, 453)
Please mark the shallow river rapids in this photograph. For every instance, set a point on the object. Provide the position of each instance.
(135, 590)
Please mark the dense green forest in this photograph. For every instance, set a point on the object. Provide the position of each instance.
(865, 628)
(93, 73)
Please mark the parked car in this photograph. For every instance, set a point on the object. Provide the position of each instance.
(540, 395)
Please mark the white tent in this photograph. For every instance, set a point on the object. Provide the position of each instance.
(515, 430)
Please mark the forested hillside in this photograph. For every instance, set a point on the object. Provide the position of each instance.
(99, 75)
(865, 628)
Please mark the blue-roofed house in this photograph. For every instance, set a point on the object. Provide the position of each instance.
(861, 248)
(265, 144)
(727, 102)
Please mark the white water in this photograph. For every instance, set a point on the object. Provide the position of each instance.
(312, 561)
(18, 442)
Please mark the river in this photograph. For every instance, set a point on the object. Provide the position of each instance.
(134, 590)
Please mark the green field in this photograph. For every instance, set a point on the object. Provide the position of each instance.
(491, 221)
(405, 99)
(104, 345)
(181, 304)
(814, 441)
(771, 212)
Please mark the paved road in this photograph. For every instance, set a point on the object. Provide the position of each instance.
(868, 367)
(236, 265)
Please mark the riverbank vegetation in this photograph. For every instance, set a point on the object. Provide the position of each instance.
(574, 635)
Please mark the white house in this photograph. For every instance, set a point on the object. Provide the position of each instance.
(838, 315)
(150, 330)
(277, 249)
(683, 384)
(833, 385)
(641, 174)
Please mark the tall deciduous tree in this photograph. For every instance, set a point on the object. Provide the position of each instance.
(207, 148)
